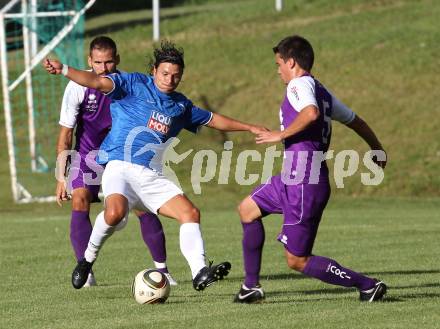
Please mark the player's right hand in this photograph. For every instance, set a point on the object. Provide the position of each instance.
(61, 193)
(52, 66)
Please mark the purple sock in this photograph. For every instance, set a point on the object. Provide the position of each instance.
(80, 230)
(329, 271)
(253, 241)
(152, 233)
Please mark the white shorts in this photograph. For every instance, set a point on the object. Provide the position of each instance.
(144, 188)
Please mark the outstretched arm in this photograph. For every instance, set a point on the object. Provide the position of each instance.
(368, 135)
(304, 119)
(84, 78)
(224, 123)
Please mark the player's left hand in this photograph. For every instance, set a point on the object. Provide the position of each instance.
(269, 137)
(258, 129)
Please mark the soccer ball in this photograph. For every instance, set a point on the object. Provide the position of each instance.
(150, 287)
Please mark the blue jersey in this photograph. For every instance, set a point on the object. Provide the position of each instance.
(144, 118)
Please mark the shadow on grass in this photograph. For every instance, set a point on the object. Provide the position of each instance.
(319, 295)
(404, 272)
(426, 285)
(299, 296)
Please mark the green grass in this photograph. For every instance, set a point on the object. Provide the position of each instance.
(395, 240)
(379, 57)
(370, 53)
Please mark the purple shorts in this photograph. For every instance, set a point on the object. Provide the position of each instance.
(302, 206)
(85, 173)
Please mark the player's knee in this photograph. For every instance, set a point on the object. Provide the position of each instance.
(243, 211)
(194, 213)
(122, 223)
(191, 214)
(114, 216)
(80, 202)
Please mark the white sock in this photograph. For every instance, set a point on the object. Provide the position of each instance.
(101, 231)
(160, 265)
(191, 246)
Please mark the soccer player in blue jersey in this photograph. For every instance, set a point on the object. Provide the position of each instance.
(146, 112)
(302, 189)
(88, 110)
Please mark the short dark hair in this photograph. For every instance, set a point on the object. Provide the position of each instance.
(167, 53)
(103, 43)
(298, 48)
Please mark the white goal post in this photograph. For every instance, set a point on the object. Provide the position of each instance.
(26, 12)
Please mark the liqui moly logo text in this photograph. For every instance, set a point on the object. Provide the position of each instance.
(159, 122)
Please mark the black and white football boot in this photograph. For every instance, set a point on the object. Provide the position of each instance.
(374, 294)
(81, 273)
(210, 274)
(247, 295)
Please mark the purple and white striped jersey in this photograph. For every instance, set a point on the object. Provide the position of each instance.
(305, 152)
(89, 111)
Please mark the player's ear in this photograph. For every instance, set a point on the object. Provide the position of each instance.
(89, 61)
(291, 62)
(117, 59)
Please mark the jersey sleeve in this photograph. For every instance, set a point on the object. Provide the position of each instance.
(341, 112)
(121, 85)
(196, 117)
(72, 99)
(301, 93)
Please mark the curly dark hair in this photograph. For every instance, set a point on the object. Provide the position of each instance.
(166, 53)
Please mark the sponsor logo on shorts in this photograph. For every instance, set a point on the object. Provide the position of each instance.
(159, 122)
(336, 271)
(284, 239)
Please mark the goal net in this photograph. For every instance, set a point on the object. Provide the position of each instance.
(30, 30)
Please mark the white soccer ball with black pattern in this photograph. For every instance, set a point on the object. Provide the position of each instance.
(150, 287)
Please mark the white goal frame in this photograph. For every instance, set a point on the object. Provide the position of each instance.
(32, 58)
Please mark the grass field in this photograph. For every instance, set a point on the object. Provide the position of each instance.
(380, 57)
(395, 240)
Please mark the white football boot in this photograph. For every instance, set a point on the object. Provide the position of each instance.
(91, 281)
(170, 279)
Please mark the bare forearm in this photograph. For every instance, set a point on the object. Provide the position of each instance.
(221, 122)
(64, 143)
(89, 79)
(84, 78)
(304, 119)
(366, 133)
